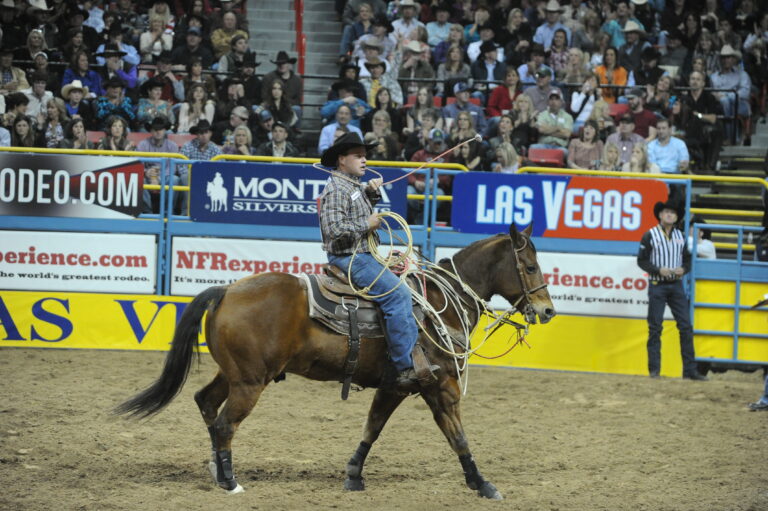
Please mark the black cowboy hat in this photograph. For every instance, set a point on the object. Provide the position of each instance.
(382, 21)
(150, 84)
(442, 6)
(282, 58)
(111, 50)
(348, 65)
(165, 56)
(249, 60)
(348, 85)
(158, 123)
(668, 205)
(201, 126)
(488, 46)
(113, 82)
(343, 144)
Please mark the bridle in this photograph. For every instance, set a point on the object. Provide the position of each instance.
(527, 310)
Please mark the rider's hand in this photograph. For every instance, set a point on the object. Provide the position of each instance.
(375, 184)
(374, 221)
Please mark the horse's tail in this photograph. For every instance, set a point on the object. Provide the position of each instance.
(178, 361)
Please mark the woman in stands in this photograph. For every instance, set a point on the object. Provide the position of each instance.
(503, 133)
(462, 129)
(557, 56)
(611, 159)
(576, 69)
(80, 69)
(662, 97)
(23, 133)
(382, 128)
(50, 125)
(151, 105)
(612, 74)
(161, 11)
(277, 103)
(583, 102)
(516, 38)
(455, 38)
(692, 31)
(195, 76)
(385, 150)
(638, 161)
(587, 37)
(75, 136)
(453, 70)
(384, 103)
(196, 108)
(242, 142)
(75, 43)
(523, 116)
(601, 114)
(154, 41)
(502, 98)
(469, 155)
(424, 101)
(602, 43)
(116, 138)
(585, 152)
(35, 43)
(507, 160)
(417, 140)
(706, 50)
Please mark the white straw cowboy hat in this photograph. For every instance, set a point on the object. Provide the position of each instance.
(729, 51)
(413, 46)
(407, 3)
(74, 85)
(553, 6)
(633, 26)
(38, 5)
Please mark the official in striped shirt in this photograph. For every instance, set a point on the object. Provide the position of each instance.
(664, 255)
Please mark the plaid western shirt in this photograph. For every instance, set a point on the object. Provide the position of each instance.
(345, 206)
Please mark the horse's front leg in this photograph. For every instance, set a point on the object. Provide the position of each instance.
(443, 400)
(385, 402)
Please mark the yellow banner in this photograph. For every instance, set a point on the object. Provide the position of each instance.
(146, 322)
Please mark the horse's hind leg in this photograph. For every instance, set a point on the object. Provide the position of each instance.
(385, 402)
(209, 399)
(443, 400)
(241, 400)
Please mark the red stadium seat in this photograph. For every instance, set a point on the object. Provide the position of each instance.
(450, 101)
(547, 157)
(437, 101)
(476, 101)
(410, 101)
(94, 136)
(616, 110)
(181, 138)
(138, 136)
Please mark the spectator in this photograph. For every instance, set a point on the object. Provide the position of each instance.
(731, 76)
(413, 66)
(503, 133)
(251, 82)
(639, 161)
(126, 14)
(361, 26)
(151, 105)
(221, 38)
(383, 101)
(507, 160)
(279, 146)
(262, 130)
(480, 18)
(668, 152)
(601, 114)
(74, 43)
(455, 38)
(427, 119)
(703, 131)
(546, 31)
(706, 50)
(524, 131)
(50, 125)
(350, 73)
(691, 31)
(611, 159)
(502, 98)
(529, 71)
(379, 37)
(195, 76)
(586, 38)
(240, 142)
(540, 94)
(382, 127)
(474, 50)
(439, 30)
(554, 124)
(603, 43)
(116, 137)
(377, 79)
(13, 28)
(626, 138)
(488, 69)
(232, 61)
(293, 86)
(115, 44)
(557, 58)
(16, 105)
(662, 97)
(573, 14)
(280, 107)
(158, 142)
(113, 103)
(453, 70)
(229, 6)
(517, 38)
(575, 68)
(372, 49)
(705, 249)
(193, 48)
(649, 71)
(343, 121)
(677, 54)
(664, 256)
(200, 147)
(726, 35)
(583, 102)
(416, 182)
(424, 101)
(95, 16)
(154, 41)
(611, 75)
(116, 68)
(223, 131)
(53, 79)
(462, 104)
(231, 95)
(615, 26)
(357, 106)
(469, 155)
(77, 107)
(196, 108)
(463, 129)
(352, 9)
(385, 148)
(196, 15)
(645, 120)
(585, 152)
(12, 78)
(630, 52)
(161, 10)
(75, 136)
(407, 21)
(79, 69)
(173, 87)
(35, 43)
(23, 133)
(41, 21)
(37, 95)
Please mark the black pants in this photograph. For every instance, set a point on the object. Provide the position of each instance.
(672, 294)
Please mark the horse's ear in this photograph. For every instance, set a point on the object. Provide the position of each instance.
(528, 230)
(513, 232)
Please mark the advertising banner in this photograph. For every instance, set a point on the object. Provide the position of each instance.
(588, 284)
(66, 185)
(272, 194)
(580, 207)
(58, 261)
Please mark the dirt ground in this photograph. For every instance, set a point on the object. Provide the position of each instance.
(547, 440)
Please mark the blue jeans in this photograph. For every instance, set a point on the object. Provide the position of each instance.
(672, 294)
(396, 306)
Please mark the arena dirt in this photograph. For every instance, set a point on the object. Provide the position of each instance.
(548, 440)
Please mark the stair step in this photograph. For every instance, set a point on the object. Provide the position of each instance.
(728, 201)
(742, 173)
(275, 14)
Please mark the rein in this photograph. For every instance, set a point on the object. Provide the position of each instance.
(528, 308)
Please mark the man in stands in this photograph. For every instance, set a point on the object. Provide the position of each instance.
(377, 79)
(528, 72)
(474, 50)
(279, 146)
(194, 48)
(131, 56)
(407, 21)
(631, 52)
(173, 87)
(615, 27)
(625, 137)
(343, 121)
(488, 68)
(12, 78)
(649, 72)
(461, 90)
(541, 93)
(345, 90)
(703, 132)
(731, 76)
(158, 142)
(668, 152)
(645, 120)
(546, 31)
(116, 67)
(37, 95)
(372, 49)
(555, 125)
(379, 36)
(201, 147)
(414, 66)
(438, 30)
(223, 131)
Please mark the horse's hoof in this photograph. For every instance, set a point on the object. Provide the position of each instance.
(489, 491)
(237, 489)
(356, 484)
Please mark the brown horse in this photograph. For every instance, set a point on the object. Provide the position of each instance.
(258, 328)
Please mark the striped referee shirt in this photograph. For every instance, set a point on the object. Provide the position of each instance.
(657, 250)
(345, 206)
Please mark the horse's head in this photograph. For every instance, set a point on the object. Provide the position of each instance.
(522, 283)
